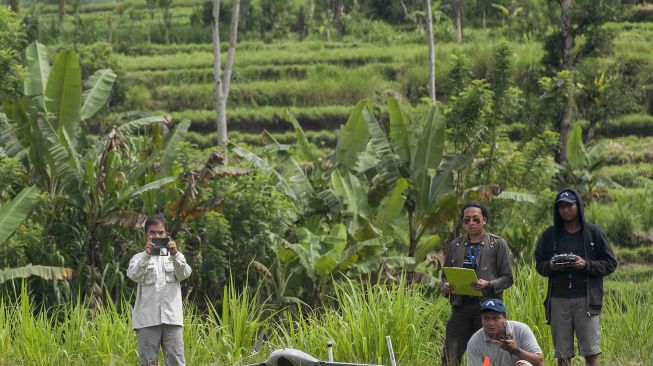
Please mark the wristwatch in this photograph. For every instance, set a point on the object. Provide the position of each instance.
(515, 352)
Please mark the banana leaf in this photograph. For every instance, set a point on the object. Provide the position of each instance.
(38, 69)
(403, 140)
(134, 126)
(388, 167)
(576, 154)
(45, 272)
(392, 205)
(64, 91)
(353, 137)
(304, 147)
(98, 89)
(14, 212)
(427, 158)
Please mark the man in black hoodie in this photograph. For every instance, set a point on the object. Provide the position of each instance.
(575, 289)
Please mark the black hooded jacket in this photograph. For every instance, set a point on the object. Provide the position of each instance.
(599, 258)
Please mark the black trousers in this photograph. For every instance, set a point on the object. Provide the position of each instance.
(465, 320)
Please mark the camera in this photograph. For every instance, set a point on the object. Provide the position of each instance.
(563, 258)
(160, 246)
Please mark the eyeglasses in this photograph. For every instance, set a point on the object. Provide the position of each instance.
(468, 220)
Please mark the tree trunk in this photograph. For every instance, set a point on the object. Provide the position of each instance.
(310, 11)
(408, 15)
(223, 80)
(62, 13)
(167, 23)
(329, 20)
(412, 234)
(339, 12)
(649, 101)
(568, 64)
(110, 20)
(460, 13)
(149, 31)
(429, 27)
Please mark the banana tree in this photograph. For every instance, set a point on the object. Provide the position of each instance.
(386, 187)
(379, 178)
(12, 215)
(321, 257)
(581, 169)
(49, 128)
(407, 167)
(334, 235)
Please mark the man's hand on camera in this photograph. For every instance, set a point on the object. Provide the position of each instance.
(148, 246)
(557, 267)
(508, 344)
(579, 263)
(172, 247)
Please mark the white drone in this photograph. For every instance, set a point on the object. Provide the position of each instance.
(295, 357)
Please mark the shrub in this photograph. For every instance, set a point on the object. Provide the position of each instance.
(239, 234)
(12, 174)
(640, 13)
(12, 40)
(642, 254)
(628, 149)
(628, 174)
(322, 87)
(632, 124)
(633, 273)
(617, 221)
(139, 97)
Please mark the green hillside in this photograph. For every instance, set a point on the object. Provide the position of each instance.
(333, 227)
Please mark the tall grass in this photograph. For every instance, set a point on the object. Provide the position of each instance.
(628, 326)
(343, 56)
(361, 317)
(357, 318)
(318, 89)
(267, 117)
(324, 139)
(242, 74)
(629, 149)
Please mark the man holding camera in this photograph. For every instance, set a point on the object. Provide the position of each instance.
(575, 256)
(157, 316)
(502, 342)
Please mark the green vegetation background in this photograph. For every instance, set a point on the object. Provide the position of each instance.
(503, 80)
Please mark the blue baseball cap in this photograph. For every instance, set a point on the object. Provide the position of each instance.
(493, 305)
(567, 196)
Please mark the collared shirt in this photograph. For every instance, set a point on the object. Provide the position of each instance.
(158, 297)
(481, 345)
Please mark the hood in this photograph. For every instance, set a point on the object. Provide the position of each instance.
(557, 220)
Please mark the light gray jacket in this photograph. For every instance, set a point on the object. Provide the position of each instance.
(158, 297)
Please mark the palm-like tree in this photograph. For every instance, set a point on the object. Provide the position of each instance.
(48, 127)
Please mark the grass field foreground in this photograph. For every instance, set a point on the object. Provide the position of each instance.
(225, 335)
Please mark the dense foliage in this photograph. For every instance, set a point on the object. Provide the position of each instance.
(339, 170)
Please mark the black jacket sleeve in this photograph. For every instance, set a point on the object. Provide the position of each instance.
(543, 253)
(604, 262)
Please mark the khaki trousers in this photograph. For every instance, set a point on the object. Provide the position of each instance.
(168, 337)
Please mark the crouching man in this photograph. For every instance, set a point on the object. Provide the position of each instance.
(157, 316)
(502, 342)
